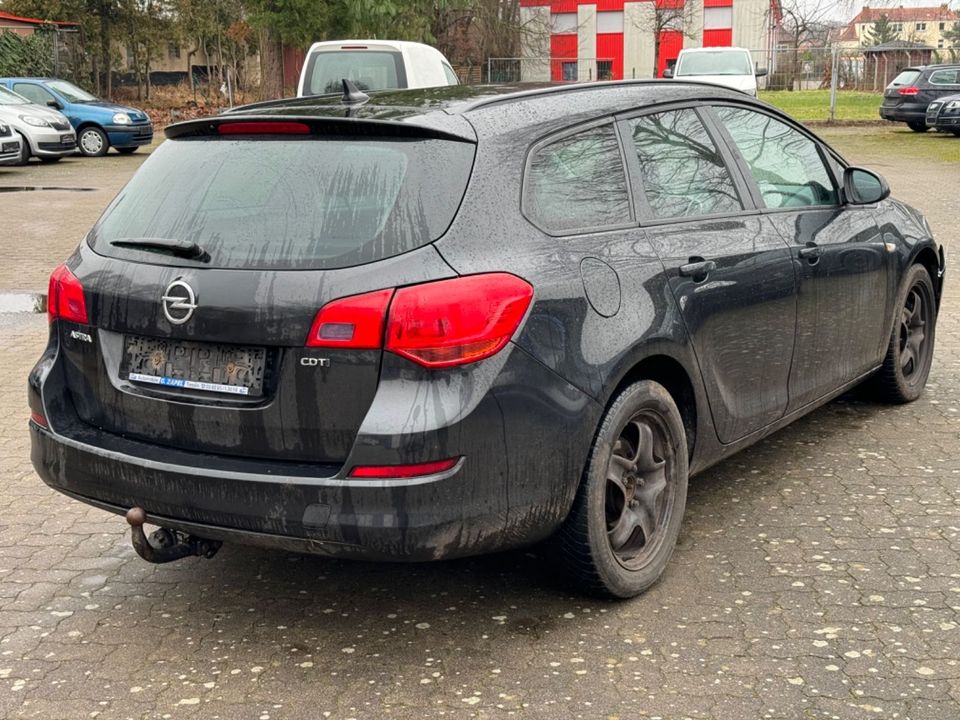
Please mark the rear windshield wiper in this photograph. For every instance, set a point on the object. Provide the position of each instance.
(180, 248)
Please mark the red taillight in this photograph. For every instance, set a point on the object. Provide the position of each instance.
(909, 91)
(351, 322)
(263, 128)
(438, 324)
(458, 321)
(404, 471)
(65, 297)
(38, 419)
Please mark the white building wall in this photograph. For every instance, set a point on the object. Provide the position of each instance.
(535, 51)
(751, 24)
(693, 20)
(638, 41)
(587, 42)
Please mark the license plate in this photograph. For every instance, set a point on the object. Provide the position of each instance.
(9, 147)
(185, 365)
(66, 139)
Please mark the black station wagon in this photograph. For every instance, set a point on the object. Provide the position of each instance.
(435, 323)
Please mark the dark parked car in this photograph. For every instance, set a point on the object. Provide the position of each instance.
(442, 322)
(907, 97)
(944, 114)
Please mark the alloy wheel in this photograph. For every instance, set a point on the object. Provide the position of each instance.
(913, 321)
(638, 499)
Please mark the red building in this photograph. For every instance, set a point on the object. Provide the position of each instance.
(571, 40)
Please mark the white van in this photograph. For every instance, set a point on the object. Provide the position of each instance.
(728, 66)
(373, 65)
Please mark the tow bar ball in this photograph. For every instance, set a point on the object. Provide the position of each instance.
(165, 545)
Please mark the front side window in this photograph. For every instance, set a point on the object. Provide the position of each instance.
(33, 93)
(683, 173)
(785, 163)
(578, 183)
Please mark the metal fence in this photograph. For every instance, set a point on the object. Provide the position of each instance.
(549, 69)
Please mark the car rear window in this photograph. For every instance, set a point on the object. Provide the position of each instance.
(907, 77)
(367, 69)
(315, 203)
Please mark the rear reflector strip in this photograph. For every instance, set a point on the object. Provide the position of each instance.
(263, 128)
(404, 471)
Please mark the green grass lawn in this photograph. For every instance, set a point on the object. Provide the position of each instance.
(872, 146)
(814, 105)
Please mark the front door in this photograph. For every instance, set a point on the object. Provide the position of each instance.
(842, 267)
(729, 271)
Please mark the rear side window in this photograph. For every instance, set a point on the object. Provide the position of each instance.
(315, 203)
(367, 69)
(578, 183)
(907, 77)
(945, 77)
(785, 163)
(683, 173)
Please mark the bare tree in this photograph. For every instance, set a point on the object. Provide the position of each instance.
(669, 16)
(807, 24)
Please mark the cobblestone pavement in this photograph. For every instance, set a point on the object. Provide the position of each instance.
(818, 573)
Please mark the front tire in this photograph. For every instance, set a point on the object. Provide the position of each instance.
(93, 142)
(917, 127)
(909, 356)
(626, 517)
(24, 151)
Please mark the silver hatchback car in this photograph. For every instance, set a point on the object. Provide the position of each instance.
(45, 132)
(10, 145)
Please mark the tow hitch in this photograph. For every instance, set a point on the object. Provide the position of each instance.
(165, 545)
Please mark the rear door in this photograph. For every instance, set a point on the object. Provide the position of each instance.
(939, 84)
(843, 270)
(213, 349)
(729, 270)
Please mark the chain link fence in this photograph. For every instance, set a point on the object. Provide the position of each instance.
(549, 69)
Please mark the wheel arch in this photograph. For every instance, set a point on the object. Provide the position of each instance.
(933, 262)
(671, 372)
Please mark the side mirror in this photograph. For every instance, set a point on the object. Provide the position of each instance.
(55, 104)
(760, 72)
(863, 187)
(668, 73)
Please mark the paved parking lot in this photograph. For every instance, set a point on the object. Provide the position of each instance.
(818, 574)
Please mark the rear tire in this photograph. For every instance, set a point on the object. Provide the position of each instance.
(906, 366)
(623, 527)
(917, 127)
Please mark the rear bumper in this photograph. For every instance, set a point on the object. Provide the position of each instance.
(505, 492)
(129, 135)
(904, 114)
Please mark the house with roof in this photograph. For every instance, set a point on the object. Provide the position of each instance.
(918, 26)
(28, 26)
(581, 40)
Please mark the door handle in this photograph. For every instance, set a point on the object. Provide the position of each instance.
(698, 268)
(811, 252)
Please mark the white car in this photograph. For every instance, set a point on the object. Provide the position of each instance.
(727, 66)
(373, 65)
(45, 132)
(10, 145)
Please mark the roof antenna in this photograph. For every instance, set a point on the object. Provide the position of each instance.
(352, 95)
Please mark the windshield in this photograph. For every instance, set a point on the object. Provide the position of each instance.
(270, 203)
(368, 69)
(721, 62)
(8, 97)
(71, 92)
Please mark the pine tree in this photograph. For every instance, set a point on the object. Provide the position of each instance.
(880, 33)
